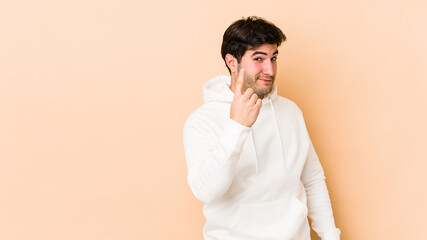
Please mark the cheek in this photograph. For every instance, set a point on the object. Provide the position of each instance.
(251, 67)
(275, 67)
(255, 68)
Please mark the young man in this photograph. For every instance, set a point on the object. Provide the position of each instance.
(249, 156)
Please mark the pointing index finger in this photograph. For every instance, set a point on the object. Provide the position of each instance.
(239, 83)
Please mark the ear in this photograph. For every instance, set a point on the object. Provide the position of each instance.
(231, 62)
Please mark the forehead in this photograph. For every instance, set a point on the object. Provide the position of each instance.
(267, 49)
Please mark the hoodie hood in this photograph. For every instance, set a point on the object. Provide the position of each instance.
(218, 90)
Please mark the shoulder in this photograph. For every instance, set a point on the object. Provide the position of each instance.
(207, 116)
(290, 115)
(287, 105)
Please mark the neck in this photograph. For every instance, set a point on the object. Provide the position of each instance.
(233, 82)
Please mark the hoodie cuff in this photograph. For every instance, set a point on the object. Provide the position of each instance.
(331, 235)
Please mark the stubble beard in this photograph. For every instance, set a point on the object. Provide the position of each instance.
(250, 82)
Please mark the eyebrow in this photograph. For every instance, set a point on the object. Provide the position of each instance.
(263, 53)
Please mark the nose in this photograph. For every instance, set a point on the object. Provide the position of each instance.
(268, 68)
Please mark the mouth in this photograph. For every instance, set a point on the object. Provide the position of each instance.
(265, 79)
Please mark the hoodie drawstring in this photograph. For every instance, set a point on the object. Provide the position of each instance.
(253, 147)
(278, 133)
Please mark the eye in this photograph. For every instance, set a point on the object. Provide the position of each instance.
(258, 59)
(273, 59)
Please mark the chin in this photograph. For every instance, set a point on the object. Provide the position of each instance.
(262, 94)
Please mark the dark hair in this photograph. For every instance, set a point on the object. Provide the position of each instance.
(248, 33)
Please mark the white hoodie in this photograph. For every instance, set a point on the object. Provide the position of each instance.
(255, 182)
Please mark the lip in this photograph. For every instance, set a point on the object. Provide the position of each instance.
(265, 80)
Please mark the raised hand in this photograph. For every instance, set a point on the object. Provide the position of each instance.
(245, 106)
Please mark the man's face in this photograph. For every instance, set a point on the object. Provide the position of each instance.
(260, 68)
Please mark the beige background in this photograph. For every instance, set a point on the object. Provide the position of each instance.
(94, 94)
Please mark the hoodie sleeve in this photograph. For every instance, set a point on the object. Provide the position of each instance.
(212, 157)
(319, 204)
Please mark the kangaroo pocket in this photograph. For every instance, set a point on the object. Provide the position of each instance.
(281, 219)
